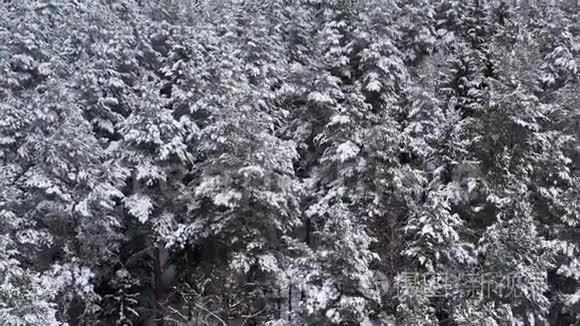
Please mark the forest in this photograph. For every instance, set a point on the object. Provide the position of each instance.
(289, 162)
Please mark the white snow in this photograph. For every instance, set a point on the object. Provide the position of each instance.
(347, 151)
(339, 119)
(139, 206)
(320, 98)
(374, 86)
(227, 198)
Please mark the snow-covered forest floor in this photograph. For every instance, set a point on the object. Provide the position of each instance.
(289, 162)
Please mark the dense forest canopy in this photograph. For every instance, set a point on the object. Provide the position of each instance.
(289, 162)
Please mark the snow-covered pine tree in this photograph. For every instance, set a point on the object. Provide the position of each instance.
(418, 29)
